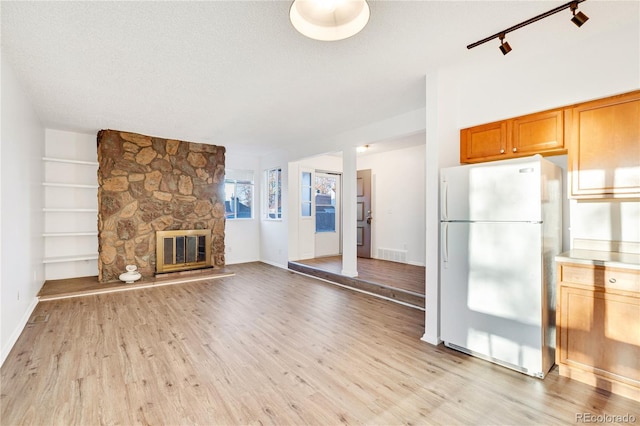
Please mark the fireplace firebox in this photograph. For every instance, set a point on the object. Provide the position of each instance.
(182, 250)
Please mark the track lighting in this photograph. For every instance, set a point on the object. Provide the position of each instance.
(578, 19)
(504, 46)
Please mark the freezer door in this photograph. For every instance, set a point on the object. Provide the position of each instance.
(496, 191)
(491, 291)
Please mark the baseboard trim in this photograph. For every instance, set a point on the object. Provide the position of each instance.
(18, 331)
(277, 265)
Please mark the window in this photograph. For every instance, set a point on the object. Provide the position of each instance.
(326, 202)
(238, 199)
(305, 196)
(274, 194)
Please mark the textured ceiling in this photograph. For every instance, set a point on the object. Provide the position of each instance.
(236, 73)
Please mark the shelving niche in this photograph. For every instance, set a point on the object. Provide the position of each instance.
(71, 206)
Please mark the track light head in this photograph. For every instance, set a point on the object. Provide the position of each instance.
(578, 18)
(504, 46)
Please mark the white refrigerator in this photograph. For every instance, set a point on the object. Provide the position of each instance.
(501, 227)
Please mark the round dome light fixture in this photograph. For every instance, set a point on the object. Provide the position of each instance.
(329, 20)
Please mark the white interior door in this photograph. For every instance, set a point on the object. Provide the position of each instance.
(327, 212)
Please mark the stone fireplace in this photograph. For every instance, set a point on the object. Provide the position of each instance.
(149, 184)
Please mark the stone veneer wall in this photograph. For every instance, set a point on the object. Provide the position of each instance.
(149, 184)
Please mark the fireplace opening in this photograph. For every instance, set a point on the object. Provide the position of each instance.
(182, 250)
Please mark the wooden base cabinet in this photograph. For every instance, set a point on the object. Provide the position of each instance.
(598, 327)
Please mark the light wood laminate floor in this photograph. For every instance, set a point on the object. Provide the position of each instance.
(266, 346)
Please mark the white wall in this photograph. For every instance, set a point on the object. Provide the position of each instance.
(617, 220)
(242, 236)
(490, 88)
(398, 201)
(274, 234)
(21, 201)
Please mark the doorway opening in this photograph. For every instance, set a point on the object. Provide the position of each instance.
(327, 202)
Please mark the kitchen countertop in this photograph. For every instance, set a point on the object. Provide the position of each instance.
(602, 258)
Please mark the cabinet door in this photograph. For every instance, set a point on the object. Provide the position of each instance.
(598, 333)
(485, 142)
(604, 152)
(538, 133)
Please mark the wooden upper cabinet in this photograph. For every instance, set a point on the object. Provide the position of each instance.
(604, 148)
(539, 133)
(488, 141)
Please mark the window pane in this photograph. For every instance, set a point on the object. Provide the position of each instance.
(325, 203)
(229, 199)
(274, 198)
(325, 186)
(306, 179)
(325, 219)
(244, 197)
(305, 195)
(238, 199)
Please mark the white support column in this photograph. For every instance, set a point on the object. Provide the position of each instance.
(349, 205)
(432, 175)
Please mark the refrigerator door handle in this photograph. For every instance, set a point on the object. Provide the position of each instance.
(445, 200)
(445, 245)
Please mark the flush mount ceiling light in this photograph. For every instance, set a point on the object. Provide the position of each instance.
(578, 19)
(362, 148)
(329, 20)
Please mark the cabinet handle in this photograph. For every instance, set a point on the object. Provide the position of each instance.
(612, 280)
(502, 151)
(515, 149)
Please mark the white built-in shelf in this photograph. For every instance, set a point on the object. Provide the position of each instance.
(65, 160)
(50, 210)
(69, 185)
(66, 240)
(69, 234)
(75, 258)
